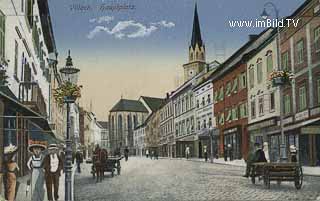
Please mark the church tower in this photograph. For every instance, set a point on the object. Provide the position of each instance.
(197, 52)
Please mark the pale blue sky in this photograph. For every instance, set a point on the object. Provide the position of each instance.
(153, 45)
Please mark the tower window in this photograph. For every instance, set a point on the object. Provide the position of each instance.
(191, 56)
(197, 55)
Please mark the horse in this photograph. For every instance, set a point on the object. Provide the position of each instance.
(99, 161)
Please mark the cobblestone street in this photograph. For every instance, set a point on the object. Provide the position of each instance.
(165, 179)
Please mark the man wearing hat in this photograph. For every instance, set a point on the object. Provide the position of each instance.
(10, 168)
(37, 177)
(52, 165)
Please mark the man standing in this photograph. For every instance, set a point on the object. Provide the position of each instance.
(187, 152)
(126, 153)
(52, 165)
(205, 153)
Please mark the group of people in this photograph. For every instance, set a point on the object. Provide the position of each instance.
(45, 165)
(154, 154)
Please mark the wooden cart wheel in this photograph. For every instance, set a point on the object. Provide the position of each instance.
(299, 178)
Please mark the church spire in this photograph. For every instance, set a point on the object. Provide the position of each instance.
(196, 32)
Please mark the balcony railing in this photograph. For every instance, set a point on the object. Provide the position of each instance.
(30, 94)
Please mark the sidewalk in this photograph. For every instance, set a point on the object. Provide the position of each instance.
(310, 171)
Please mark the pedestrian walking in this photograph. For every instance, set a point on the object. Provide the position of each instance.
(147, 153)
(152, 155)
(10, 170)
(205, 153)
(126, 153)
(52, 165)
(37, 176)
(230, 153)
(79, 160)
(187, 152)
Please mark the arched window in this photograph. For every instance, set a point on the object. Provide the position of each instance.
(120, 122)
(197, 56)
(135, 121)
(112, 123)
(191, 56)
(129, 122)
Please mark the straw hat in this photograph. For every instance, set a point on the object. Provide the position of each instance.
(11, 149)
(53, 147)
(32, 146)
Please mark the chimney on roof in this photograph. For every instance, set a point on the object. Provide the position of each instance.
(253, 37)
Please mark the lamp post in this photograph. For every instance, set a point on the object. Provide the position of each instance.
(211, 131)
(265, 15)
(69, 74)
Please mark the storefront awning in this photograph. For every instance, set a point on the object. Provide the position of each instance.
(189, 138)
(294, 126)
(43, 130)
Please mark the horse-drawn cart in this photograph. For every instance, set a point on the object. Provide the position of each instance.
(110, 165)
(278, 172)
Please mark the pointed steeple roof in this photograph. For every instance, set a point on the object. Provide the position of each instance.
(196, 32)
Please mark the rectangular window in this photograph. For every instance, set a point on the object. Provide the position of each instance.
(234, 113)
(260, 105)
(221, 94)
(228, 89)
(285, 61)
(221, 118)
(302, 98)
(216, 96)
(242, 80)
(16, 56)
(269, 64)
(318, 90)
(300, 51)
(235, 85)
(259, 72)
(2, 35)
(229, 117)
(287, 104)
(209, 99)
(253, 109)
(272, 102)
(317, 39)
(251, 78)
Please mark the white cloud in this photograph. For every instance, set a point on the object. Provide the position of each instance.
(102, 19)
(164, 23)
(128, 28)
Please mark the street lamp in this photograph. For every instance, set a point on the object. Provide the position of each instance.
(265, 15)
(69, 75)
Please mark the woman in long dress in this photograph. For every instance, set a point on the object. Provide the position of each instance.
(37, 176)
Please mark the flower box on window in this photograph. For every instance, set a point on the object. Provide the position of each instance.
(279, 78)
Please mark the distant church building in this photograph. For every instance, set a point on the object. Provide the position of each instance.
(197, 51)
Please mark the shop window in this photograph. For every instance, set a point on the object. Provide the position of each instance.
(302, 98)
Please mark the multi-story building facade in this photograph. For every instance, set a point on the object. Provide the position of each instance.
(263, 98)
(230, 98)
(152, 132)
(105, 142)
(167, 140)
(26, 42)
(300, 54)
(139, 139)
